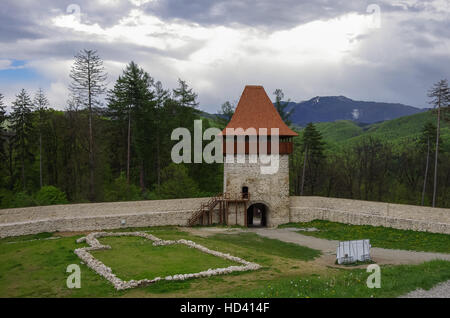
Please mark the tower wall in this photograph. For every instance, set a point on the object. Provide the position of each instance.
(270, 189)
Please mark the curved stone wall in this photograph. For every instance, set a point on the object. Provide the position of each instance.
(97, 216)
(104, 216)
(399, 216)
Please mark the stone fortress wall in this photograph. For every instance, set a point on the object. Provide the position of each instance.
(104, 216)
(96, 216)
(270, 189)
(399, 216)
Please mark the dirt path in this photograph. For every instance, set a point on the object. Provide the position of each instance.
(441, 290)
(328, 258)
(209, 231)
(327, 247)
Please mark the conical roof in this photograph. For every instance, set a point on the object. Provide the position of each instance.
(255, 110)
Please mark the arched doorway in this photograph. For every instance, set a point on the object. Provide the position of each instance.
(257, 215)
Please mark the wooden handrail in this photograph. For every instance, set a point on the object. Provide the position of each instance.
(212, 202)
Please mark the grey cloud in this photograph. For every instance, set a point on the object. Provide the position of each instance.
(28, 19)
(399, 62)
(261, 13)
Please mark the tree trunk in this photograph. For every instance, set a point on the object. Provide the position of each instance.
(40, 159)
(129, 147)
(426, 171)
(158, 160)
(141, 178)
(11, 170)
(91, 144)
(23, 168)
(304, 171)
(437, 153)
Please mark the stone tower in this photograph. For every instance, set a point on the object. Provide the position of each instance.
(253, 132)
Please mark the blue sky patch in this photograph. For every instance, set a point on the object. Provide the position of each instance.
(18, 72)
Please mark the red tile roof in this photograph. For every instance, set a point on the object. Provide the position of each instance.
(255, 110)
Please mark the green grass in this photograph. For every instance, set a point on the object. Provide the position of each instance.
(395, 281)
(31, 237)
(136, 258)
(269, 246)
(38, 269)
(379, 236)
(35, 266)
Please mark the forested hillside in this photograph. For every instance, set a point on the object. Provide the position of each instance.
(116, 145)
(379, 162)
(112, 151)
(397, 131)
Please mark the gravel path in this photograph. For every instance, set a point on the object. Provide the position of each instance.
(379, 255)
(441, 290)
(328, 248)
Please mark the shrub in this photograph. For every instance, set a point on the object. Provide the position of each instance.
(119, 190)
(176, 183)
(6, 199)
(50, 195)
(22, 200)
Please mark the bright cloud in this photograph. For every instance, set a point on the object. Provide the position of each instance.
(307, 48)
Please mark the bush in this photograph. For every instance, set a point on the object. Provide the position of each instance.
(50, 195)
(6, 199)
(151, 195)
(176, 183)
(119, 190)
(22, 200)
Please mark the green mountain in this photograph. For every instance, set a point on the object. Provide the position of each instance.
(397, 131)
(332, 108)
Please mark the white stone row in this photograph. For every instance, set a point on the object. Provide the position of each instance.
(106, 272)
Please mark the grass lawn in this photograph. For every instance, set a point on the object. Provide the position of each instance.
(395, 281)
(379, 236)
(270, 246)
(143, 260)
(35, 266)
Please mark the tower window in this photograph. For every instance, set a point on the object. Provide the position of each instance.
(245, 192)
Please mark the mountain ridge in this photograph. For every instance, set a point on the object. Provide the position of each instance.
(332, 108)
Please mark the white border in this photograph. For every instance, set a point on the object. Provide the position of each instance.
(106, 272)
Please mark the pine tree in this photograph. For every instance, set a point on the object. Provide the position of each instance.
(2, 125)
(131, 93)
(162, 95)
(426, 142)
(22, 125)
(185, 95)
(41, 104)
(313, 148)
(282, 106)
(88, 84)
(226, 112)
(2, 114)
(440, 97)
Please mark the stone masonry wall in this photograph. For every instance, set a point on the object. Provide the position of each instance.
(98, 216)
(399, 216)
(270, 189)
(103, 216)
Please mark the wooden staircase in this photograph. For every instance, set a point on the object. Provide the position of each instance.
(206, 210)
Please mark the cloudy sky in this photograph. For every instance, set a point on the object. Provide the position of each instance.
(367, 50)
